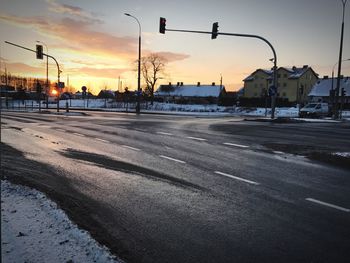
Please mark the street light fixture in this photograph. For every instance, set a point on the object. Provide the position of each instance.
(47, 74)
(139, 66)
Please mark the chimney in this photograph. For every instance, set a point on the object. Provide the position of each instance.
(294, 68)
(325, 77)
(178, 84)
(169, 83)
(181, 84)
(198, 84)
(213, 83)
(305, 66)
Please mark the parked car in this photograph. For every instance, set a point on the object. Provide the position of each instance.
(314, 110)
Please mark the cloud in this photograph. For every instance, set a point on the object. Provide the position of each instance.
(74, 11)
(171, 57)
(77, 34)
(98, 72)
(21, 68)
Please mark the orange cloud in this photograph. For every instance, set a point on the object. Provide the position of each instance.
(171, 57)
(99, 73)
(78, 34)
(20, 68)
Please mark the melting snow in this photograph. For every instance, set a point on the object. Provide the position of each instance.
(33, 229)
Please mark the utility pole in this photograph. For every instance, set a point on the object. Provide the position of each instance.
(336, 106)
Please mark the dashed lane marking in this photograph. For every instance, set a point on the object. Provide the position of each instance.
(164, 133)
(172, 159)
(102, 140)
(131, 148)
(79, 134)
(236, 145)
(328, 204)
(236, 178)
(196, 138)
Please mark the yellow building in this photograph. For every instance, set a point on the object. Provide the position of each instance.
(294, 83)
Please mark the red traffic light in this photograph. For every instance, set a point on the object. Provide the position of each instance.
(162, 24)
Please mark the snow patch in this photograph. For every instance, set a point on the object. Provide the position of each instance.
(33, 229)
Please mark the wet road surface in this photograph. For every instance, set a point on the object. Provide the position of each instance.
(184, 189)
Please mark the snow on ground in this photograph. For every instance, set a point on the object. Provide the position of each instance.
(33, 229)
(169, 108)
(342, 154)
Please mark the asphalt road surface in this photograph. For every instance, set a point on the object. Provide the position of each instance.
(184, 189)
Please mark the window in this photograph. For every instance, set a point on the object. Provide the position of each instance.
(285, 75)
(284, 84)
(284, 94)
(278, 75)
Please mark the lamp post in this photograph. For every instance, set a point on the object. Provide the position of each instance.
(139, 66)
(47, 74)
(336, 109)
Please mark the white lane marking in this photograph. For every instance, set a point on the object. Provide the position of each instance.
(79, 134)
(140, 130)
(164, 133)
(102, 140)
(328, 204)
(236, 145)
(237, 178)
(131, 148)
(172, 159)
(196, 138)
(278, 152)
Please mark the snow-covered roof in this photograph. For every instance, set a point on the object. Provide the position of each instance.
(189, 90)
(323, 86)
(294, 72)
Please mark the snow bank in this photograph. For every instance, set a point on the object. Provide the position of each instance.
(33, 229)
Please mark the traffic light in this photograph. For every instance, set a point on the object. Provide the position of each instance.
(214, 31)
(39, 51)
(343, 92)
(162, 24)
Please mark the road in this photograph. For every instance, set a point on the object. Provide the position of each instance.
(183, 189)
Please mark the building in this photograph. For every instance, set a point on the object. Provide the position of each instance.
(191, 94)
(294, 84)
(321, 91)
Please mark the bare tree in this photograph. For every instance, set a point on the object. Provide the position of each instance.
(152, 66)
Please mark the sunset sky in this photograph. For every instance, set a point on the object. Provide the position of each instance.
(95, 43)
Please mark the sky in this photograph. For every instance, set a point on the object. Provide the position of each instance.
(96, 45)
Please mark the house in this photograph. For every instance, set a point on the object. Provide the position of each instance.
(191, 94)
(321, 91)
(294, 84)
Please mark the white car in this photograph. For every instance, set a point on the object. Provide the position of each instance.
(314, 110)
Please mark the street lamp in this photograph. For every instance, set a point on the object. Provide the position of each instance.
(336, 110)
(139, 66)
(47, 74)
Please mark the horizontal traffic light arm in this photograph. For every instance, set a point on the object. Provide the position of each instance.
(32, 50)
(229, 34)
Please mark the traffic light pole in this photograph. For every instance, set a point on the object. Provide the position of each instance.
(273, 98)
(49, 56)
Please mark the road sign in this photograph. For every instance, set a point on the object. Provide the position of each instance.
(60, 85)
(272, 90)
